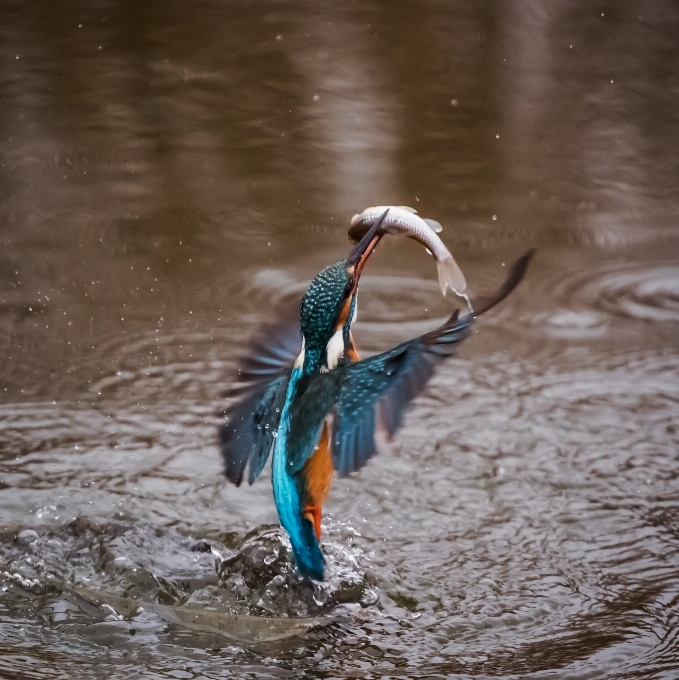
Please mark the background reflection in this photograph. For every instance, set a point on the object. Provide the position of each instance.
(170, 172)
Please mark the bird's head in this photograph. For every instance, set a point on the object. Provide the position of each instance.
(329, 306)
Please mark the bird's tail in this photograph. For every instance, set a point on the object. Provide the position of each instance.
(307, 551)
(305, 547)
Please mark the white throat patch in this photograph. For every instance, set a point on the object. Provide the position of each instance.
(335, 348)
(299, 361)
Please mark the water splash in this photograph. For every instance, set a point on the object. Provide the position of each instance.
(263, 577)
(87, 572)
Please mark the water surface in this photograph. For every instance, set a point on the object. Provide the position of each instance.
(172, 173)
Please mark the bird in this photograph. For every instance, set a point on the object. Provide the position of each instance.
(306, 397)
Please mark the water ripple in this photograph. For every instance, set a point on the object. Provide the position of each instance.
(643, 292)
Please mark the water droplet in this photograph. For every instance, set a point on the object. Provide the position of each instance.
(27, 536)
(320, 596)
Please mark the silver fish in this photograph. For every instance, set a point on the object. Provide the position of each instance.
(405, 221)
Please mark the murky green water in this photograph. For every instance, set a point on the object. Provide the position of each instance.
(172, 172)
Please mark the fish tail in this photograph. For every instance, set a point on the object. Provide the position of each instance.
(451, 275)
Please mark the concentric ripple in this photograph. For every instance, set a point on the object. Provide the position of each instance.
(630, 290)
(651, 293)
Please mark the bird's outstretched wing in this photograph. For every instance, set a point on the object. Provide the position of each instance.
(378, 389)
(261, 383)
(271, 352)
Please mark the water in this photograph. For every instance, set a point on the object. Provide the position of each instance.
(170, 174)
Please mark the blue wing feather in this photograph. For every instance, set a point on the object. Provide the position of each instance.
(381, 387)
(377, 389)
(247, 435)
(263, 376)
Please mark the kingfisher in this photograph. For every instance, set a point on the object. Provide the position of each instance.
(309, 400)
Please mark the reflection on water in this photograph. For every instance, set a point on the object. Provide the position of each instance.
(170, 175)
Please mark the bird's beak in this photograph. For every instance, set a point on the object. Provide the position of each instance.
(361, 251)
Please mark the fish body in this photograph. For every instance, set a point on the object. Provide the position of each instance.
(401, 220)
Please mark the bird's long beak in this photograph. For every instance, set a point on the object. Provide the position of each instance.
(361, 251)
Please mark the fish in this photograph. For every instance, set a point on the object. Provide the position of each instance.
(404, 221)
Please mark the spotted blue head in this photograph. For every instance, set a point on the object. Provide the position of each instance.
(328, 308)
